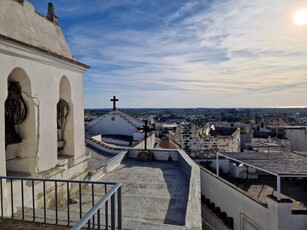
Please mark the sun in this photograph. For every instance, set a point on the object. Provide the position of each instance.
(300, 17)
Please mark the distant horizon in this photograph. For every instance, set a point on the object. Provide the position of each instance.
(274, 107)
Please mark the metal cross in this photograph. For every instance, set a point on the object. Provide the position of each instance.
(145, 128)
(114, 102)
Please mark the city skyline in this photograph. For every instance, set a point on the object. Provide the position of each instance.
(181, 54)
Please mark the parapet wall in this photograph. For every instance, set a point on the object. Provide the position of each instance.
(192, 171)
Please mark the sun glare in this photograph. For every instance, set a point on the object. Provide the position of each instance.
(300, 17)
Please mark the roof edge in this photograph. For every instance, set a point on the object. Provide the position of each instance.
(45, 51)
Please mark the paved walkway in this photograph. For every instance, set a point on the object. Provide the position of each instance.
(153, 192)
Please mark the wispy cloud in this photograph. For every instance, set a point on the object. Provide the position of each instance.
(189, 53)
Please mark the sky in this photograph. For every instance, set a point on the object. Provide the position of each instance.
(184, 54)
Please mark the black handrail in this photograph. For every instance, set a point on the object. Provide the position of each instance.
(38, 188)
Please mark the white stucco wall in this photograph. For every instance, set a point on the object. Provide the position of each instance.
(19, 21)
(232, 202)
(44, 73)
(114, 123)
(298, 139)
(151, 139)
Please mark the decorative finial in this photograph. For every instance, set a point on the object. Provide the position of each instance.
(51, 14)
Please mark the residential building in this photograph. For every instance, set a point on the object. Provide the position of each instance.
(206, 141)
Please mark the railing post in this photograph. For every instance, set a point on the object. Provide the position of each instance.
(33, 200)
(93, 203)
(80, 201)
(98, 219)
(106, 209)
(107, 214)
(44, 192)
(119, 208)
(22, 200)
(68, 203)
(12, 199)
(56, 201)
(113, 227)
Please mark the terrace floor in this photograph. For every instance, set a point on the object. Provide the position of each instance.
(154, 193)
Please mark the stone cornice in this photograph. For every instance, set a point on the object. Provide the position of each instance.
(19, 49)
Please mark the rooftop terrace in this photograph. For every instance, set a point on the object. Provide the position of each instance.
(153, 193)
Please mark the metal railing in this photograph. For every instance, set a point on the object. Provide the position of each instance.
(96, 209)
(74, 203)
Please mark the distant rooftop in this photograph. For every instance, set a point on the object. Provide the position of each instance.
(277, 163)
(222, 132)
(257, 145)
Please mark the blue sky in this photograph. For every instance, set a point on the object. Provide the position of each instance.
(204, 53)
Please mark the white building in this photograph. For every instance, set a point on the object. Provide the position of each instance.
(205, 141)
(116, 131)
(41, 85)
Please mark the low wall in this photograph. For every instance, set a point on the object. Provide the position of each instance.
(193, 215)
(161, 155)
(192, 171)
(114, 149)
(100, 147)
(115, 142)
(231, 201)
(109, 165)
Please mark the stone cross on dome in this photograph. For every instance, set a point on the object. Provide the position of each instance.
(114, 102)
